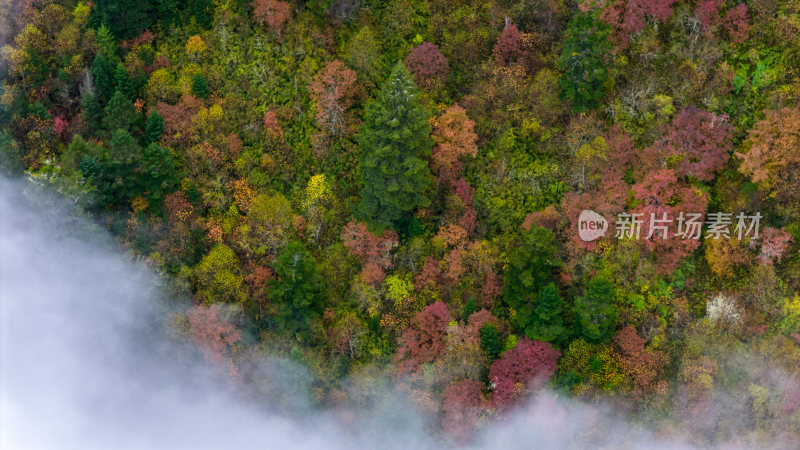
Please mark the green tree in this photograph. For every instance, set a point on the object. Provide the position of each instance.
(153, 129)
(123, 83)
(125, 171)
(113, 174)
(77, 149)
(107, 44)
(219, 277)
(546, 323)
(92, 112)
(584, 61)
(298, 290)
(392, 143)
(157, 173)
(200, 87)
(119, 113)
(103, 76)
(202, 11)
(595, 313)
(490, 341)
(125, 18)
(10, 163)
(167, 10)
(530, 268)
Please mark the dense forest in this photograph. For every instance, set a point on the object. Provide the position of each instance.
(394, 190)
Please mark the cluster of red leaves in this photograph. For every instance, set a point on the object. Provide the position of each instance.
(774, 244)
(178, 207)
(178, 126)
(60, 126)
(700, 140)
(661, 192)
(773, 144)
(272, 126)
(430, 274)
(628, 16)
(462, 406)
(521, 370)
(423, 341)
(427, 64)
(333, 89)
(374, 251)
(509, 45)
(642, 365)
(212, 334)
(146, 38)
(735, 21)
(610, 196)
(272, 13)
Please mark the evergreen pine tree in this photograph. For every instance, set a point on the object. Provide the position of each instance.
(153, 129)
(125, 18)
(490, 341)
(119, 113)
(157, 172)
(103, 77)
(469, 308)
(107, 44)
(122, 81)
(583, 60)
(547, 324)
(166, 10)
(202, 11)
(392, 143)
(595, 313)
(531, 266)
(200, 87)
(92, 112)
(115, 174)
(298, 291)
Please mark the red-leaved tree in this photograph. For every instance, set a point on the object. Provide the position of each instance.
(462, 406)
(521, 370)
(374, 251)
(641, 365)
(628, 17)
(332, 89)
(699, 141)
(427, 64)
(212, 335)
(509, 45)
(272, 13)
(423, 341)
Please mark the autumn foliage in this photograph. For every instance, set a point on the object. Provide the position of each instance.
(424, 340)
(272, 13)
(521, 370)
(333, 88)
(427, 64)
(212, 334)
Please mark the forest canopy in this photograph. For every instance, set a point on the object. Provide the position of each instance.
(395, 188)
